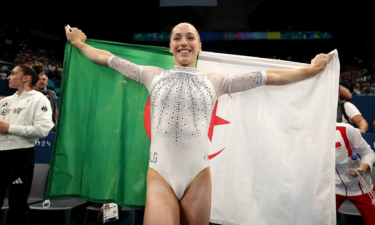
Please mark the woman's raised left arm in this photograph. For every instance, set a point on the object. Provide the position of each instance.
(289, 76)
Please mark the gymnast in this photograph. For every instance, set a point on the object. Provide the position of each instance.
(182, 100)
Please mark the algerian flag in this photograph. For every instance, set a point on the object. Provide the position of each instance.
(276, 161)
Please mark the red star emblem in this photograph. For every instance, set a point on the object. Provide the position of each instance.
(215, 121)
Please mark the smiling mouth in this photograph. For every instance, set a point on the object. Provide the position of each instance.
(184, 51)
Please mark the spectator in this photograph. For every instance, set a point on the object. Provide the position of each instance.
(28, 116)
(18, 61)
(342, 78)
(45, 65)
(350, 86)
(372, 81)
(31, 63)
(349, 141)
(367, 91)
(52, 69)
(348, 113)
(59, 71)
(357, 78)
(4, 68)
(367, 85)
(51, 95)
(366, 77)
(357, 89)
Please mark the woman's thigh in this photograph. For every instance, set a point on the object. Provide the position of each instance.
(162, 206)
(195, 205)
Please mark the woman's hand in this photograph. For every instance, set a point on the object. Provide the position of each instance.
(289, 76)
(320, 61)
(75, 35)
(4, 127)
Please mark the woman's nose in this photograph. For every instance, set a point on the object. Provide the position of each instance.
(183, 41)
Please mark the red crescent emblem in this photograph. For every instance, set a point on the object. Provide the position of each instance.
(215, 121)
(147, 119)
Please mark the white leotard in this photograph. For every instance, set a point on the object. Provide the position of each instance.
(182, 100)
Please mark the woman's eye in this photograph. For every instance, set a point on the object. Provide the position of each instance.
(176, 38)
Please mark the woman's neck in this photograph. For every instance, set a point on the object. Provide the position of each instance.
(25, 87)
(191, 65)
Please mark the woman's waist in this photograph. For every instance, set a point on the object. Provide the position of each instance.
(180, 146)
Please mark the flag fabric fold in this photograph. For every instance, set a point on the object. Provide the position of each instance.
(271, 148)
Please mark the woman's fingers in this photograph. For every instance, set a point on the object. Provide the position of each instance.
(330, 57)
(74, 34)
(84, 38)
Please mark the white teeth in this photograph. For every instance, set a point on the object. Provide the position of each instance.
(184, 51)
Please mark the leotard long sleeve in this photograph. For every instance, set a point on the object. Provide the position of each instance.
(182, 100)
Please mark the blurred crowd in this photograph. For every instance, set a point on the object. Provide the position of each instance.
(17, 47)
(36, 55)
(358, 79)
(32, 55)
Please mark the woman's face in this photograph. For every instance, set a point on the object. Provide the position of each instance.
(16, 78)
(185, 45)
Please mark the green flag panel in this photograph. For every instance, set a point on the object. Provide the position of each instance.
(101, 150)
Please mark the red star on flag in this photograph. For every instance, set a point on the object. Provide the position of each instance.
(215, 121)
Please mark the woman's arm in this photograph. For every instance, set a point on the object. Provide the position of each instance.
(361, 122)
(284, 77)
(360, 146)
(139, 74)
(77, 39)
(229, 83)
(345, 93)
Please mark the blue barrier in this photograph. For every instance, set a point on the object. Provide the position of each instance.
(43, 149)
(370, 139)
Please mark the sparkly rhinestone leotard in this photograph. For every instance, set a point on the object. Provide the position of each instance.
(182, 100)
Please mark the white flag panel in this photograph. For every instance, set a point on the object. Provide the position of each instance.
(277, 166)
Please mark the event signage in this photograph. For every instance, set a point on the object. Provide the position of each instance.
(234, 36)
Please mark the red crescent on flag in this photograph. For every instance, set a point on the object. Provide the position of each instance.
(147, 119)
(215, 121)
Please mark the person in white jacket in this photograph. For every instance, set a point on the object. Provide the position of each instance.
(24, 117)
(349, 141)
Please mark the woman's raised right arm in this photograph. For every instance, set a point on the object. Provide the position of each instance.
(77, 38)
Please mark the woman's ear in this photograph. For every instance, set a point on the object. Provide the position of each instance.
(25, 79)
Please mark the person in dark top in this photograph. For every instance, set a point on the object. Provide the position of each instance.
(51, 95)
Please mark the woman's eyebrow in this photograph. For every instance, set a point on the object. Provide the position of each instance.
(186, 33)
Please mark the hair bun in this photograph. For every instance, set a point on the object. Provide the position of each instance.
(38, 68)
